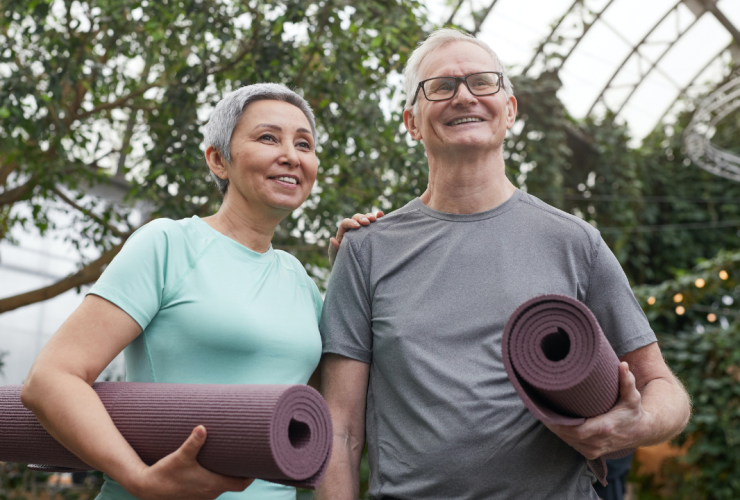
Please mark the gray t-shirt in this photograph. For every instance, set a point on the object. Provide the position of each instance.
(423, 296)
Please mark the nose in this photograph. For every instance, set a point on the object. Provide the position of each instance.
(463, 95)
(289, 156)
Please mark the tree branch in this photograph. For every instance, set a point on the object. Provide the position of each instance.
(6, 170)
(118, 103)
(454, 12)
(87, 274)
(480, 19)
(17, 193)
(323, 16)
(87, 212)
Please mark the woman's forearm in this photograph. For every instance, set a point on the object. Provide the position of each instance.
(58, 387)
(70, 410)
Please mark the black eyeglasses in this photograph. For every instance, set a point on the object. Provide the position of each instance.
(442, 88)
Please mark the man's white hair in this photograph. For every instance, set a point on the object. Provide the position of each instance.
(434, 41)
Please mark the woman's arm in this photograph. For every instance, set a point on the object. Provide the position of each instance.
(59, 392)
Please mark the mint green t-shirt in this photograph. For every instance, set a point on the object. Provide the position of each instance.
(213, 312)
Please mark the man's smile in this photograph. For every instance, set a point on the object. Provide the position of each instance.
(466, 119)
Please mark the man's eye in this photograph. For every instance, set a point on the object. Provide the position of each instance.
(443, 86)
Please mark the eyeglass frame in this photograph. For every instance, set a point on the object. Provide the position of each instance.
(458, 80)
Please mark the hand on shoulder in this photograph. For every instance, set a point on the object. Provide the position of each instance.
(356, 222)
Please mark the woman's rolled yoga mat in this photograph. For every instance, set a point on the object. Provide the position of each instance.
(561, 364)
(279, 433)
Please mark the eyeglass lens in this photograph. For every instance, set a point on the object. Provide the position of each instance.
(438, 89)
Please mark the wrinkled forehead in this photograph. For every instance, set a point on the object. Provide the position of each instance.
(457, 58)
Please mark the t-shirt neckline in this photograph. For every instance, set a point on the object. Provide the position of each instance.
(504, 207)
(235, 245)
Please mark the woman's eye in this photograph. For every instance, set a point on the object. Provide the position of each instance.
(304, 145)
(268, 137)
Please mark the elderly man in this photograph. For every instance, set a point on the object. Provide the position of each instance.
(417, 303)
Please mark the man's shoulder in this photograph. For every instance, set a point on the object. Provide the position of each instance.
(560, 222)
(359, 236)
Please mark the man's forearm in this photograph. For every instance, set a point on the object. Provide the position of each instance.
(342, 479)
(669, 408)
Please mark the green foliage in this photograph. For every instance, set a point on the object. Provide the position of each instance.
(17, 481)
(634, 196)
(116, 91)
(704, 352)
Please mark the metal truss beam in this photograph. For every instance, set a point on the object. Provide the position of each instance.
(636, 52)
(555, 61)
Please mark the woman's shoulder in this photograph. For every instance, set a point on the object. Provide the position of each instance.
(168, 235)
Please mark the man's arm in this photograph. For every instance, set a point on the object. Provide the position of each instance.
(344, 386)
(653, 407)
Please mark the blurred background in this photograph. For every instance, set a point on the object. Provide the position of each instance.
(628, 118)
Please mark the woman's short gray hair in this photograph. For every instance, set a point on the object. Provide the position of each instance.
(434, 41)
(229, 110)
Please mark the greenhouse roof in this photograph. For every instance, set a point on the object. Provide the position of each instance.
(637, 58)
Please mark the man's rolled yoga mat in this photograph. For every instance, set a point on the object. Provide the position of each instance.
(561, 364)
(279, 433)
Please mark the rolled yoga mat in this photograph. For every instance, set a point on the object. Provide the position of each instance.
(561, 364)
(279, 433)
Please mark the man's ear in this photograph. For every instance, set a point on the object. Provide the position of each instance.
(216, 163)
(511, 106)
(410, 121)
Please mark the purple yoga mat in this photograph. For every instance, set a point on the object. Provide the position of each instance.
(561, 364)
(279, 433)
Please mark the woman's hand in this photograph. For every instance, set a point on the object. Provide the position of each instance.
(357, 221)
(179, 475)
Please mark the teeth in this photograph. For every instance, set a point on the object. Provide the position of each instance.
(287, 179)
(465, 120)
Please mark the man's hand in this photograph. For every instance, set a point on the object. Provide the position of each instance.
(357, 221)
(622, 427)
(179, 475)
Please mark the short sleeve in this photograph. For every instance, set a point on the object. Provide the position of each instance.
(610, 298)
(346, 320)
(135, 279)
(318, 302)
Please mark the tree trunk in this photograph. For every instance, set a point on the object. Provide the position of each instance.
(84, 276)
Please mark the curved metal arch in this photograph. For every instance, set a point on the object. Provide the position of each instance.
(699, 132)
(585, 26)
(636, 51)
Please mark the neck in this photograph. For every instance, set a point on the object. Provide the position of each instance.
(242, 224)
(467, 183)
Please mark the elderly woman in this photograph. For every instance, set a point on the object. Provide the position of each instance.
(196, 301)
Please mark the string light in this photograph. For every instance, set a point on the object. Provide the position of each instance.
(711, 317)
(699, 283)
(723, 275)
(680, 310)
(651, 300)
(678, 298)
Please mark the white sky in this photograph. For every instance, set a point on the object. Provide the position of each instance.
(515, 28)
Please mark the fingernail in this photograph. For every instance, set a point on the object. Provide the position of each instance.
(365, 219)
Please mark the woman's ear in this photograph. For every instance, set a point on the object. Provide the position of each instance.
(216, 163)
